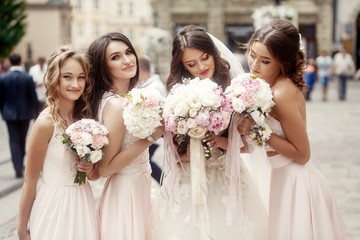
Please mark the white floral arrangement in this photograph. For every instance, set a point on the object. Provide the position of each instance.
(265, 14)
(249, 93)
(258, 135)
(155, 40)
(143, 111)
(195, 108)
(87, 138)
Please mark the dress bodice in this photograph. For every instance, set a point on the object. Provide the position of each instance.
(141, 163)
(59, 166)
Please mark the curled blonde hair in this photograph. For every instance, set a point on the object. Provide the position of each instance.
(52, 83)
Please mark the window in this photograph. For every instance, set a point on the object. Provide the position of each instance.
(131, 9)
(97, 30)
(120, 8)
(96, 5)
(80, 30)
(79, 5)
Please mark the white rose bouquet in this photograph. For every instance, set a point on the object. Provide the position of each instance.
(87, 138)
(195, 108)
(249, 93)
(142, 111)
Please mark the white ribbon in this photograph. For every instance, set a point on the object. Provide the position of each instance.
(199, 191)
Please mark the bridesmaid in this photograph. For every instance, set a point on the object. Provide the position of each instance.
(58, 208)
(302, 205)
(125, 207)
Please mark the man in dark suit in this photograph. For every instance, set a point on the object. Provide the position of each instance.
(18, 105)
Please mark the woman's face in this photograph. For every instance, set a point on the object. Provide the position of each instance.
(121, 61)
(198, 63)
(262, 63)
(72, 80)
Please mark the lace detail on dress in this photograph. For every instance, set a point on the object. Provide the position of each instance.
(140, 165)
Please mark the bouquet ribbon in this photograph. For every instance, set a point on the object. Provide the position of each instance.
(199, 191)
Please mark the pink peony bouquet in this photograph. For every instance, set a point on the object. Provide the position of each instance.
(249, 93)
(142, 111)
(87, 138)
(195, 108)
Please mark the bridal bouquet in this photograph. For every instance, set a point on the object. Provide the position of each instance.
(142, 111)
(195, 108)
(248, 93)
(87, 138)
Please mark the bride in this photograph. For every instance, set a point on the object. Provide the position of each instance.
(197, 54)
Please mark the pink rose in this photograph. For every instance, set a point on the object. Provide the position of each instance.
(98, 142)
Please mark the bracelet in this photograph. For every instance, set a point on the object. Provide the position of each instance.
(151, 139)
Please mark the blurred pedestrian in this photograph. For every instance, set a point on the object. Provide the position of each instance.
(344, 69)
(18, 105)
(149, 80)
(310, 77)
(37, 72)
(324, 64)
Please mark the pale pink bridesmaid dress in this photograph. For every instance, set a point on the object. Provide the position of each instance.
(62, 209)
(302, 206)
(125, 204)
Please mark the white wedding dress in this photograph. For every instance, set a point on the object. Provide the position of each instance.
(170, 225)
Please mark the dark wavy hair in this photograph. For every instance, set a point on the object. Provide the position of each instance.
(192, 36)
(52, 81)
(99, 71)
(283, 42)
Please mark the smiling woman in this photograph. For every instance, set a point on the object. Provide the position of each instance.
(126, 163)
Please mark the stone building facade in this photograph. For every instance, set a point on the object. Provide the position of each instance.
(231, 21)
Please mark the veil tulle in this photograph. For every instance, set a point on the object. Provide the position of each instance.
(225, 53)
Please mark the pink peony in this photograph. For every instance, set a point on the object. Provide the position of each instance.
(216, 122)
(252, 85)
(202, 119)
(98, 142)
(170, 124)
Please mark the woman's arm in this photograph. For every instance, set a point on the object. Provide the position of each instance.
(114, 159)
(40, 136)
(290, 110)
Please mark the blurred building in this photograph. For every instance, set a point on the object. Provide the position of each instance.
(48, 26)
(91, 19)
(347, 27)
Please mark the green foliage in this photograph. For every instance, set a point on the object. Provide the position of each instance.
(12, 25)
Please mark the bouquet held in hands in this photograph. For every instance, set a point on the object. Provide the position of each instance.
(87, 138)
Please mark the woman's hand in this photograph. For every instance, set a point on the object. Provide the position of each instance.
(215, 141)
(244, 125)
(159, 132)
(84, 167)
(24, 235)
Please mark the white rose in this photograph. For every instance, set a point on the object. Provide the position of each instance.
(82, 150)
(238, 104)
(86, 138)
(191, 123)
(182, 127)
(198, 132)
(195, 104)
(193, 113)
(181, 109)
(95, 156)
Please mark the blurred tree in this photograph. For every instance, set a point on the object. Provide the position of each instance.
(12, 25)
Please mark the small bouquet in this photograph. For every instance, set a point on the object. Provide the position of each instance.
(87, 138)
(142, 111)
(250, 93)
(258, 135)
(195, 108)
